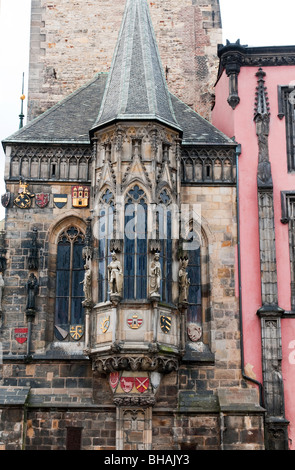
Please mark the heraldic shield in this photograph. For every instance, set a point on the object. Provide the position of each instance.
(21, 335)
(76, 332)
(165, 323)
(5, 199)
(42, 200)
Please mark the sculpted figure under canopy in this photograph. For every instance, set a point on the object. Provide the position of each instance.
(115, 276)
(184, 281)
(155, 276)
(87, 283)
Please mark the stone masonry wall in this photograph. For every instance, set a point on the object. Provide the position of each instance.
(72, 41)
(19, 225)
(218, 213)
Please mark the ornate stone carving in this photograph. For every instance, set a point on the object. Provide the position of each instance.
(201, 165)
(35, 162)
(123, 400)
(32, 287)
(184, 281)
(87, 285)
(33, 262)
(262, 118)
(135, 363)
(194, 332)
(155, 277)
(115, 277)
(272, 376)
(87, 249)
(235, 54)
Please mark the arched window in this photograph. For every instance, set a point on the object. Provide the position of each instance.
(135, 245)
(194, 313)
(105, 227)
(69, 289)
(165, 236)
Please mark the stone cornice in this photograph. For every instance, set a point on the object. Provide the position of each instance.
(233, 56)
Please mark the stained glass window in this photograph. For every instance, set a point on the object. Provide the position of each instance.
(165, 236)
(69, 276)
(135, 245)
(194, 314)
(106, 220)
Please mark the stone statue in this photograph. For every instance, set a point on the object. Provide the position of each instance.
(115, 276)
(155, 276)
(87, 284)
(1, 290)
(184, 281)
(32, 290)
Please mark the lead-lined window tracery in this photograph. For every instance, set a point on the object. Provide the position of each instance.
(135, 245)
(165, 236)
(105, 227)
(69, 277)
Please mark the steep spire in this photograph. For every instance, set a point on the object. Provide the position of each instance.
(136, 88)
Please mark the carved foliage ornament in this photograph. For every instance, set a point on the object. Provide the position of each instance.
(135, 363)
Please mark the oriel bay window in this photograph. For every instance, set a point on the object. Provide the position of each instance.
(135, 247)
(69, 317)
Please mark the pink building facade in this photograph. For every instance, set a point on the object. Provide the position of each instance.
(255, 106)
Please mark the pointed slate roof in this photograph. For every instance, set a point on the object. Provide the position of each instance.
(136, 88)
(69, 120)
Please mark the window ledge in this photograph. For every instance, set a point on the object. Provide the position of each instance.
(198, 353)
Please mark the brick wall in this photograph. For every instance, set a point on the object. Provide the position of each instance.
(70, 43)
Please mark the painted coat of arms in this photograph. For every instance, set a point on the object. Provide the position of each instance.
(127, 383)
(5, 199)
(142, 384)
(21, 335)
(134, 322)
(114, 379)
(24, 198)
(76, 332)
(60, 200)
(165, 323)
(42, 200)
(80, 196)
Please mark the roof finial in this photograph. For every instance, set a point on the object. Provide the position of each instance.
(21, 116)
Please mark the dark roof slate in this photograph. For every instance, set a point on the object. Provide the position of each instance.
(70, 120)
(14, 395)
(196, 129)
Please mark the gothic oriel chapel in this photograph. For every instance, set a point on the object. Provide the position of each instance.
(120, 320)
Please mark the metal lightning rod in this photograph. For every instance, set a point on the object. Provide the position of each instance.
(21, 116)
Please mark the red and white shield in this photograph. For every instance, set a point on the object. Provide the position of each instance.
(114, 379)
(42, 200)
(127, 383)
(134, 322)
(142, 384)
(21, 335)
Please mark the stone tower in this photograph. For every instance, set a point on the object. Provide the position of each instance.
(70, 45)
